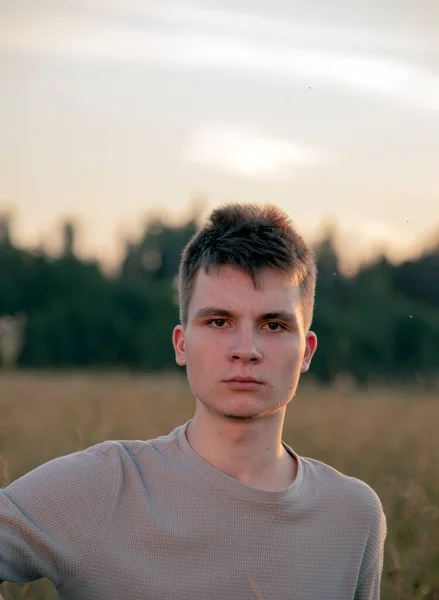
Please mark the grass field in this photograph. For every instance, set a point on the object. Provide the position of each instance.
(387, 437)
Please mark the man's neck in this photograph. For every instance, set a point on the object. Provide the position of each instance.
(252, 453)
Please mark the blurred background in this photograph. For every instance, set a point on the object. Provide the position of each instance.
(122, 124)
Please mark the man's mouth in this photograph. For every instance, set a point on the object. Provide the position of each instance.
(243, 383)
(244, 380)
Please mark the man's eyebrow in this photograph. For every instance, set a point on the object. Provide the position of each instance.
(210, 311)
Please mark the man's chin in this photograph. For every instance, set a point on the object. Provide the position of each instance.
(238, 407)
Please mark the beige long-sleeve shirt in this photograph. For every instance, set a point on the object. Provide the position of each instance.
(151, 520)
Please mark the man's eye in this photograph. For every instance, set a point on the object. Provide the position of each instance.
(275, 326)
(218, 322)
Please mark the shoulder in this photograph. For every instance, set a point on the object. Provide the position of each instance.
(350, 493)
(94, 468)
(350, 507)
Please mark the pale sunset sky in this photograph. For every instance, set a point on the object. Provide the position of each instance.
(112, 109)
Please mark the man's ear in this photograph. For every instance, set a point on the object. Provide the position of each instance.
(311, 347)
(178, 343)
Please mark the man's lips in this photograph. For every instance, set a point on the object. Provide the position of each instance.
(243, 380)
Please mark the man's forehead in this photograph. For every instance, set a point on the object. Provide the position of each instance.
(235, 293)
(266, 279)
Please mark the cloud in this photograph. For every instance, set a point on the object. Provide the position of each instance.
(247, 152)
(184, 16)
(149, 42)
(287, 29)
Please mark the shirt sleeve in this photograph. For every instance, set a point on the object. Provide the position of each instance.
(52, 517)
(369, 583)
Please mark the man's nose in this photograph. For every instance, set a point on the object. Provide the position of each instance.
(245, 348)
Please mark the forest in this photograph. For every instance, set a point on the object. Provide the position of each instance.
(379, 324)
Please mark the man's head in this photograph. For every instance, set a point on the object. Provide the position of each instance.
(247, 283)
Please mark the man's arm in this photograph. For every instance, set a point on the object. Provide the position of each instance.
(52, 517)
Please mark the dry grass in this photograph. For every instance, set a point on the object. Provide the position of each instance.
(385, 437)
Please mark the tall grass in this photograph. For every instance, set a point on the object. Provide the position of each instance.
(387, 437)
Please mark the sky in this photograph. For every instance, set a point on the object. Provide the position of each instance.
(111, 110)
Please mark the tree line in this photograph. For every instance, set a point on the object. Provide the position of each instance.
(381, 323)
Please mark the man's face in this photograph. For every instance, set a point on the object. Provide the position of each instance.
(235, 331)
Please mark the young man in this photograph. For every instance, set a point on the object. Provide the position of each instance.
(220, 508)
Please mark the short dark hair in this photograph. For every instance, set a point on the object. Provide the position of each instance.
(250, 238)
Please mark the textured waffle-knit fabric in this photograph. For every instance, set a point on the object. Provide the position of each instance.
(152, 520)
